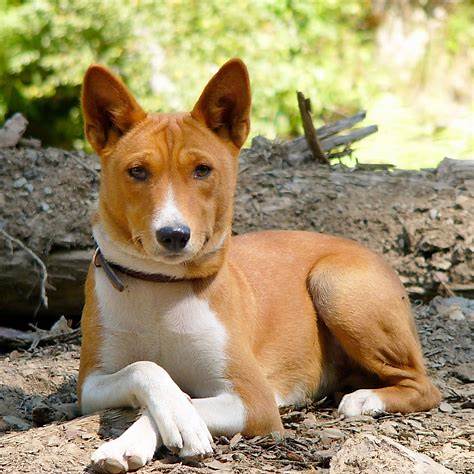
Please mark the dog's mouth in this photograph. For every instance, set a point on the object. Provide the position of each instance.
(148, 248)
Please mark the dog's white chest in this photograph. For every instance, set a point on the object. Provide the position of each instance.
(164, 323)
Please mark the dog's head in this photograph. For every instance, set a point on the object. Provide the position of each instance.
(168, 180)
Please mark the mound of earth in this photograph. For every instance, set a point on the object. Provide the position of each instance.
(422, 221)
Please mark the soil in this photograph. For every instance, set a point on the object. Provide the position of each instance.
(38, 388)
(422, 221)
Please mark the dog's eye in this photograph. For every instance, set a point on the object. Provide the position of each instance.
(140, 173)
(202, 171)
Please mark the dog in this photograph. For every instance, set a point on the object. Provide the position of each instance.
(210, 334)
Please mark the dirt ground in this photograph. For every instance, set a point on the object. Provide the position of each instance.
(38, 388)
(423, 223)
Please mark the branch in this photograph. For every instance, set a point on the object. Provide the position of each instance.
(309, 130)
(43, 272)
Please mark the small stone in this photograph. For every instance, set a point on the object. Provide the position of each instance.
(14, 355)
(453, 312)
(19, 183)
(16, 422)
(331, 434)
(29, 187)
(388, 427)
(445, 407)
(44, 206)
(433, 213)
(464, 372)
(47, 190)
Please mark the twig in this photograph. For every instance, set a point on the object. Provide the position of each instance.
(355, 135)
(343, 124)
(304, 105)
(39, 262)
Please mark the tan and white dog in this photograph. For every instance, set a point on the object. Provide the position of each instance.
(207, 333)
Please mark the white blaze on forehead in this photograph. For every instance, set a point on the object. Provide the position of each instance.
(168, 214)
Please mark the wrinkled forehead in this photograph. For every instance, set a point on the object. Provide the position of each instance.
(170, 135)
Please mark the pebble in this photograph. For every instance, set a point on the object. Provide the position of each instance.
(464, 372)
(445, 407)
(330, 434)
(19, 183)
(389, 428)
(47, 190)
(453, 312)
(433, 213)
(44, 206)
(29, 187)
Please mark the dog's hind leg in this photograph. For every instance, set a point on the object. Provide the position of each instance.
(364, 306)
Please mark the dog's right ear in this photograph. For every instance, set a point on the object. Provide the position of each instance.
(108, 107)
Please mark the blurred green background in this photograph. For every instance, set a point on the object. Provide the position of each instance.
(409, 63)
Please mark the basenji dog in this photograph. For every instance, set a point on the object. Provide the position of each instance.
(210, 334)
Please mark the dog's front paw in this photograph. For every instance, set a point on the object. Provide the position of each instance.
(181, 427)
(119, 455)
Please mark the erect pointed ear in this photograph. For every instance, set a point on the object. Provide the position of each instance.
(108, 107)
(224, 105)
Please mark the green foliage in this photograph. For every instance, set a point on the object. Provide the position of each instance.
(46, 46)
(167, 50)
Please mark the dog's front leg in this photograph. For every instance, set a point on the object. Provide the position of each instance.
(146, 385)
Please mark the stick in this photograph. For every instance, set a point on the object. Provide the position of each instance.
(43, 272)
(343, 124)
(338, 140)
(304, 105)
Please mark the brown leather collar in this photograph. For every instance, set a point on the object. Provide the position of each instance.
(110, 270)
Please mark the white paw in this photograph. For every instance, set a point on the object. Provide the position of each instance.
(181, 427)
(126, 453)
(361, 402)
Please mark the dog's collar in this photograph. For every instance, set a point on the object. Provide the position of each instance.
(111, 270)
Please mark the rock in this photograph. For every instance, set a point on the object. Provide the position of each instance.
(441, 261)
(19, 183)
(445, 407)
(16, 422)
(381, 455)
(12, 131)
(389, 428)
(464, 372)
(331, 434)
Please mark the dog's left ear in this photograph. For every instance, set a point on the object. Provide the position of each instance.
(224, 105)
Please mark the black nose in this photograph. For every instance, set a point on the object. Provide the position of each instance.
(174, 238)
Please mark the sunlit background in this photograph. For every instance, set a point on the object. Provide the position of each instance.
(409, 63)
